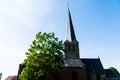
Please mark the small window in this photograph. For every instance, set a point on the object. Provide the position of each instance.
(89, 76)
(98, 77)
(74, 75)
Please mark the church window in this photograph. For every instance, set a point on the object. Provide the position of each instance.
(67, 48)
(89, 76)
(71, 48)
(74, 75)
(98, 77)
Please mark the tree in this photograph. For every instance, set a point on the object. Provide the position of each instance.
(114, 70)
(44, 58)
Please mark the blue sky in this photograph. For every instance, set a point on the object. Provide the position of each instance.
(96, 24)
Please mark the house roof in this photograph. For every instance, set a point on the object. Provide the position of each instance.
(93, 65)
(111, 74)
(11, 78)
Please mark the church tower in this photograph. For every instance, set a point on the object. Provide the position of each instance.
(73, 68)
(71, 44)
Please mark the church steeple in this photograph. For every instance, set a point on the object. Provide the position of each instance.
(70, 36)
(71, 44)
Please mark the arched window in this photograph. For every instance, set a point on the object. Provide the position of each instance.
(89, 76)
(74, 75)
(72, 48)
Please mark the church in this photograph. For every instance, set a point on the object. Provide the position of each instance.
(75, 67)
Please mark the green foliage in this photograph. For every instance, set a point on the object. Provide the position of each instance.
(114, 69)
(44, 57)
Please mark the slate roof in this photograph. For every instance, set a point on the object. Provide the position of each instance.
(111, 74)
(93, 65)
(72, 63)
(70, 30)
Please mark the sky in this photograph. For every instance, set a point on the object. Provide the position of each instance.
(96, 24)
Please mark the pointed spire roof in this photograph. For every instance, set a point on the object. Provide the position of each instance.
(70, 30)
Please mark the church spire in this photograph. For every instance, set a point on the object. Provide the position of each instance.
(71, 45)
(70, 30)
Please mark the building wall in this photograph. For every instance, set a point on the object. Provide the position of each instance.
(113, 79)
(94, 76)
(103, 76)
(73, 73)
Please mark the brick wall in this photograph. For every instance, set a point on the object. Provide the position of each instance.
(67, 73)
